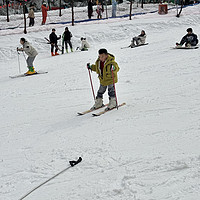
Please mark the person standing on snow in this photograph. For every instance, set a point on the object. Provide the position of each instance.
(114, 8)
(54, 42)
(99, 11)
(104, 66)
(44, 13)
(139, 40)
(190, 39)
(66, 39)
(31, 16)
(90, 9)
(31, 52)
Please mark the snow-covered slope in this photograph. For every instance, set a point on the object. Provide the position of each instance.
(146, 150)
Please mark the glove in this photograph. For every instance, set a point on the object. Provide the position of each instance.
(89, 66)
(19, 49)
(177, 44)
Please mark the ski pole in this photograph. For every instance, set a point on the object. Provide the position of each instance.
(91, 83)
(114, 87)
(18, 62)
(24, 55)
(72, 164)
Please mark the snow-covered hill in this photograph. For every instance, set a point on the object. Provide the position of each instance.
(146, 150)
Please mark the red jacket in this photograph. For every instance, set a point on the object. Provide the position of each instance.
(44, 10)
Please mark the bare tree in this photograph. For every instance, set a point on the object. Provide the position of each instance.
(106, 10)
(72, 12)
(49, 4)
(7, 11)
(142, 3)
(131, 4)
(60, 9)
(24, 11)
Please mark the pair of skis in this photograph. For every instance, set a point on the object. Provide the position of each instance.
(24, 75)
(101, 112)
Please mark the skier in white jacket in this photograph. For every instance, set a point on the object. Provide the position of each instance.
(31, 52)
(139, 40)
(84, 44)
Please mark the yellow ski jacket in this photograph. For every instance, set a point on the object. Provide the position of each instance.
(105, 77)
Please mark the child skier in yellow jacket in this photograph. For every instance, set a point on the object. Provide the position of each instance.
(104, 66)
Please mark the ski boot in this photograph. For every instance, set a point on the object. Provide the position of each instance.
(52, 54)
(98, 103)
(178, 45)
(31, 71)
(112, 103)
(84, 49)
(71, 50)
(188, 45)
(66, 50)
(56, 54)
(132, 45)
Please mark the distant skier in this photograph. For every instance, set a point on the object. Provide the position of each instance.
(66, 39)
(99, 11)
(103, 67)
(139, 40)
(90, 9)
(114, 8)
(31, 16)
(190, 39)
(84, 44)
(44, 13)
(25, 8)
(54, 42)
(31, 52)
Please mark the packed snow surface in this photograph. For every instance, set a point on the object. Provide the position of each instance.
(146, 150)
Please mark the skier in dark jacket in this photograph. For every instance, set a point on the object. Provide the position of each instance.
(90, 9)
(54, 42)
(66, 39)
(190, 39)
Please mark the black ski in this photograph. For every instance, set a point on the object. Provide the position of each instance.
(180, 47)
